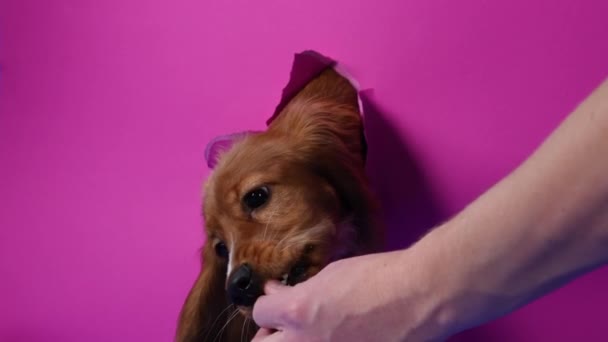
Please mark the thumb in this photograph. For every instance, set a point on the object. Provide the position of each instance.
(274, 287)
(267, 310)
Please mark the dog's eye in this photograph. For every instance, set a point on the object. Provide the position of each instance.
(221, 250)
(256, 198)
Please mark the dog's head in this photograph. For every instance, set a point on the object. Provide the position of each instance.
(282, 204)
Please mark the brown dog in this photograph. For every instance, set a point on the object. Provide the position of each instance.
(281, 205)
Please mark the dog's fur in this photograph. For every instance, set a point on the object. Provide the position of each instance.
(320, 208)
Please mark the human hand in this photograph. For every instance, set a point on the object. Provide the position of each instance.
(378, 297)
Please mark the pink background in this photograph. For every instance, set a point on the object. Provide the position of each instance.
(106, 107)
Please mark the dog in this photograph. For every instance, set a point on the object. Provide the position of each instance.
(280, 205)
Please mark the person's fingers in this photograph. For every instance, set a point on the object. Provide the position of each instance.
(263, 334)
(268, 309)
(268, 335)
(273, 286)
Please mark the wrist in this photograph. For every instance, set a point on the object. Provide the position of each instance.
(428, 289)
(450, 302)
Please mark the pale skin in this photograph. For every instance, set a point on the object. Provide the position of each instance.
(539, 228)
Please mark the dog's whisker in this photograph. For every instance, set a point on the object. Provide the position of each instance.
(217, 319)
(243, 330)
(274, 236)
(287, 237)
(249, 324)
(289, 240)
(221, 332)
(268, 223)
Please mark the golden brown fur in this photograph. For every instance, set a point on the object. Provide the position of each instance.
(312, 159)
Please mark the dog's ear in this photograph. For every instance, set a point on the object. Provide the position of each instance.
(325, 125)
(326, 112)
(222, 144)
(205, 312)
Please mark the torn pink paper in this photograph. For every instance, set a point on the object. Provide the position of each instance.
(306, 66)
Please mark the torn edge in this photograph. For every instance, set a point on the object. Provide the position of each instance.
(306, 66)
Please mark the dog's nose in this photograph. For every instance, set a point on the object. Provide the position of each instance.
(244, 287)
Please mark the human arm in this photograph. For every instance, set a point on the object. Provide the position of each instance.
(538, 228)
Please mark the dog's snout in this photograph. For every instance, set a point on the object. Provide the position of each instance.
(244, 286)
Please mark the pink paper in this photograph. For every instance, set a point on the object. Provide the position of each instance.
(306, 66)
